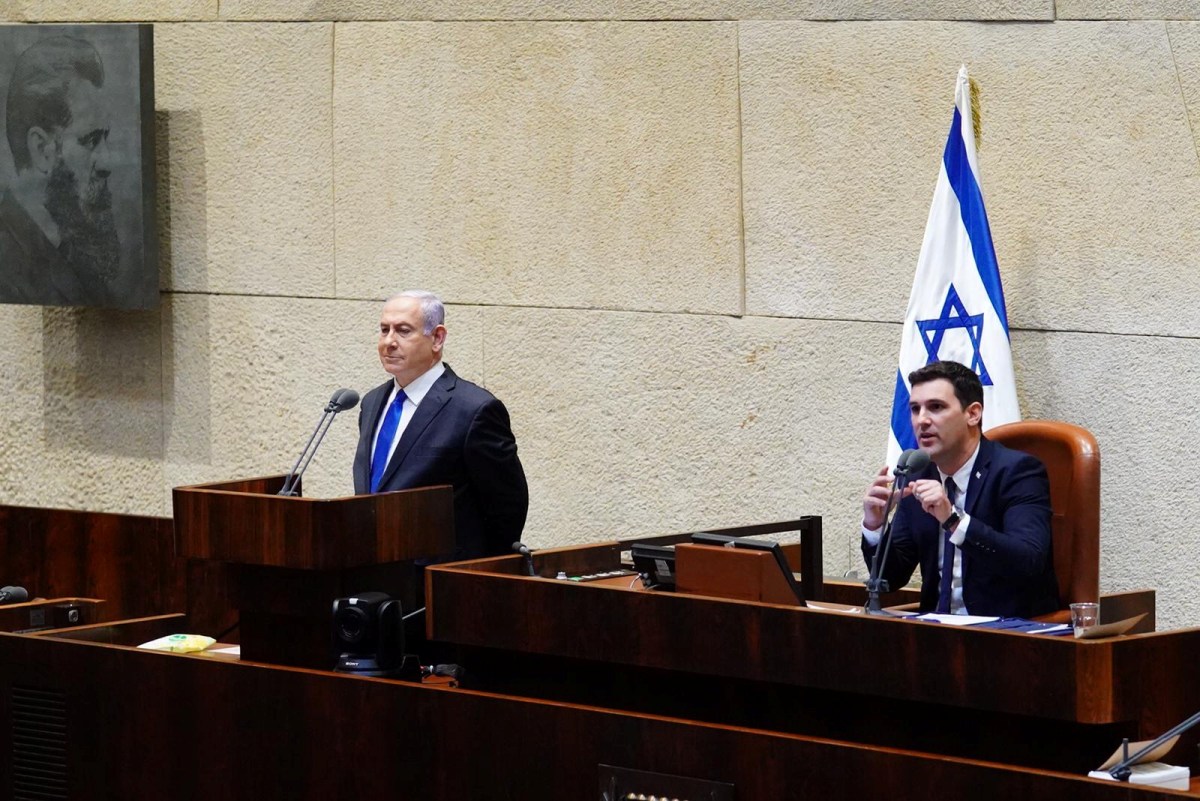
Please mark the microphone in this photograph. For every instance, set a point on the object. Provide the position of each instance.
(342, 400)
(1124, 769)
(912, 462)
(915, 465)
(13, 595)
(523, 549)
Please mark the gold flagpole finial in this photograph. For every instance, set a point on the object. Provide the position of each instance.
(976, 122)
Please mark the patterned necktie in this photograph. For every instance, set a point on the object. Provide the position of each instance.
(383, 444)
(943, 607)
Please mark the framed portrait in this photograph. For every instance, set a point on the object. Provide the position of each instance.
(77, 213)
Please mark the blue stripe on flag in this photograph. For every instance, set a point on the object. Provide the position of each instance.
(901, 418)
(974, 217)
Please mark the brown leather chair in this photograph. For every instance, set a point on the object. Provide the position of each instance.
(1072, 459)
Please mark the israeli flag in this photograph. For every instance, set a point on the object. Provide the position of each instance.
(956, 310)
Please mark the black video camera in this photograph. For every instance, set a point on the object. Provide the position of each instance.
(368, 635)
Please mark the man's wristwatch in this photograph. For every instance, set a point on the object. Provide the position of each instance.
(952, 520)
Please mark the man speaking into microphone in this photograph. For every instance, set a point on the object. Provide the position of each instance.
(426, 426)
(976, 520)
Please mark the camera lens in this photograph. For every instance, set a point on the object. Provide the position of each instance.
(351, 624)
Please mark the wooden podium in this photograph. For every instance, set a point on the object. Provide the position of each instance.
(291, 557)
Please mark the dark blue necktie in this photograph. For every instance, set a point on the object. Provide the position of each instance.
(383, 444)
(943, 607)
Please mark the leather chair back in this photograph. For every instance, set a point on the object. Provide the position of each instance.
(1072, 459)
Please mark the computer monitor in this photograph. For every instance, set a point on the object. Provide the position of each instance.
(745, 543)
(656, 564)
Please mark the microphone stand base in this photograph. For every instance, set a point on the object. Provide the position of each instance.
(875, 586)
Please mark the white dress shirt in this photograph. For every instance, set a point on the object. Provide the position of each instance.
(414, 393)
(962, 478)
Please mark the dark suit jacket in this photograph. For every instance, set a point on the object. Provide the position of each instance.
(31, 269)
(1007, 558)
(459, 435)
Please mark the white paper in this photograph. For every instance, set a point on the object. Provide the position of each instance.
(957, 620)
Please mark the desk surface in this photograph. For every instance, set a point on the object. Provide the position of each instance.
(1135, 686)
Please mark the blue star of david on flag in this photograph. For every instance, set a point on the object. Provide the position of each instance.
(954, 315)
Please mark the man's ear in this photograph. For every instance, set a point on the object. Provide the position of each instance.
(42, 148)
(975, 413)
(439, 338)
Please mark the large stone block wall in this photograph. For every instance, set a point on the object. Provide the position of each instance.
(677, 237)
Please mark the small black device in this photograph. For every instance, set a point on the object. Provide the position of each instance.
(745, 543)
(655, 564)
(368, 635)
(13, 595)
(68, 614)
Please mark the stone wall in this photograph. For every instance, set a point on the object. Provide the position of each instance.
(677, 239)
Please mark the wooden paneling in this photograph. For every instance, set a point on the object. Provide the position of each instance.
(146, 726)
(1034, 698)
(128, 561)
(237, 522)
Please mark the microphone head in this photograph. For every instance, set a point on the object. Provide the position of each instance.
(347, 399)
(902, 461)
(522, 548)
(342, 400)
(14, 595)
(917, 462)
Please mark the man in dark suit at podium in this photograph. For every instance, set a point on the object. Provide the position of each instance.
(427, 426)
(977, 520)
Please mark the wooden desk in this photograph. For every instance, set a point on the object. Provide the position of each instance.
(47, 613)
(137, 725)
(1026, 699)
(129, 561)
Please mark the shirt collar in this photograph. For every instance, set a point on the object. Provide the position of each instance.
(419, 387)
(962, 477)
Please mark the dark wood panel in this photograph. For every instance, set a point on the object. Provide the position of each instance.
(128, 561)
(51, 613)
(1131, 603)
(806, 555)
(235, 522)
(145, 725)
(121, 632)
(851, 592)
(1041, 691)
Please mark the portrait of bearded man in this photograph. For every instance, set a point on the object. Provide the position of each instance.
(59, 242)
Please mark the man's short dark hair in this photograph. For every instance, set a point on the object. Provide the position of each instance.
(37, 93)
(967, 386)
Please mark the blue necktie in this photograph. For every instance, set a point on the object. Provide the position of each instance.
(943, 607)
(383, 444)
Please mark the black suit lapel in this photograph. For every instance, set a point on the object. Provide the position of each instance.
(979, 474)
(366, 440)
(431, 405)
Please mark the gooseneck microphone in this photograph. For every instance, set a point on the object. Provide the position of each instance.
(13, 595)
(911, 463)
(1124, 769)
(342, 400)
(523, 549)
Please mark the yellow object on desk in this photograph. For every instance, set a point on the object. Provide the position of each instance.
(179, 643)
